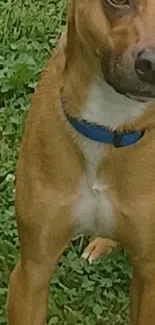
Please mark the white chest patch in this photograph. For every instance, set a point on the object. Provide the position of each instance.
(109, 108)
(93, 212)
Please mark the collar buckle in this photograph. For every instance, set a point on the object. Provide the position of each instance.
(117, 139)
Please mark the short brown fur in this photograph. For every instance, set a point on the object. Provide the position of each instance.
(51, 164)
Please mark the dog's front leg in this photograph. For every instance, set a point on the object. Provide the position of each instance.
(43, 237)
(147, 305)
(143, 296)
(136, 292)
(28, 294)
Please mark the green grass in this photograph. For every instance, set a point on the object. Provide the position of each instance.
(80, 293)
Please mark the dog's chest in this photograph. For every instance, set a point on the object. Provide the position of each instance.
(93, 212)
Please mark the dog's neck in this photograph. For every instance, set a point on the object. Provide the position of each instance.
(107, 107)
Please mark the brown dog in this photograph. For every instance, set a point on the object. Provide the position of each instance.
(75, 176)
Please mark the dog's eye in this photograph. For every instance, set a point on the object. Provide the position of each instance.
(118, 3)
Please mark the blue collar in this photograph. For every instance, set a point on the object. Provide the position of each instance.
(102, 134)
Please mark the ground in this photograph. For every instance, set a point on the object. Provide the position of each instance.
(80, 293)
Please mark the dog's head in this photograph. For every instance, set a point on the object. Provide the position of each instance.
(120, 35)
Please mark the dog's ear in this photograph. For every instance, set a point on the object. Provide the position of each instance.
(71, 10)
(71, 29)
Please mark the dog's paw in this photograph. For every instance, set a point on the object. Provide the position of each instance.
(98, 247)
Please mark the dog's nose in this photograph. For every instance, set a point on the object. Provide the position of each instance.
(145, 65)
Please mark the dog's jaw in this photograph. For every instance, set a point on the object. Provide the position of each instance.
(107, 107)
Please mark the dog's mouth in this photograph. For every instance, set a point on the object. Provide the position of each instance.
(127, 83)
(143, 97)
(139, 96)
